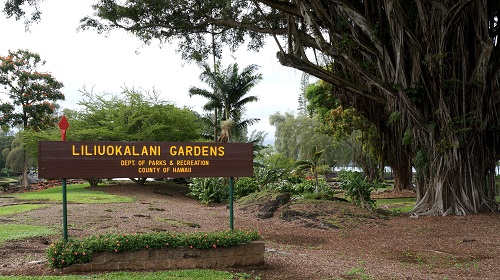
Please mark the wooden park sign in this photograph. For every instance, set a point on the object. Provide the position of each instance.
(115, 159)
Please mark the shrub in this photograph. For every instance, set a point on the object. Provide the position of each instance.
(265, 175)
(281, 186)
(209, 190)
(73, 251)
(245, 186)
(326, 189)
(301, 187)
(357, 188)
(307, 186)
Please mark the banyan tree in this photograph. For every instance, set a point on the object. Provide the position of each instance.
(425, 71)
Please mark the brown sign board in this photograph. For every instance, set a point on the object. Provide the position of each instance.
(115, 159)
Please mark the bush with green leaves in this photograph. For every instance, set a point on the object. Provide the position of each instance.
(357, 187)
(62, 253)
(306, 186)
(281, 186)
(245, 186)
(266, 175)
(209, 190)
(301, 187)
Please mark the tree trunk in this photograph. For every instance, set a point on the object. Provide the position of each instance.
(458, 181)
(216, 125)
(402, 176)
(93, 181)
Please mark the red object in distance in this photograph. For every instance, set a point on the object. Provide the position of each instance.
(63, 125)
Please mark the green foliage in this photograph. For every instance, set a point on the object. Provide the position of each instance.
(62, 253)
(357, 188)
(396, 205)
(266, 175)
(9, 232)
(407, 137)
(311, 165)
(299, 187)
(302, 100)
(296, 136)
(209, 190)
(416, 94)
(16, 155)
(358, 273)
(394, 118)
(229, 94)
(31, 92)
(30, 140)
(33, 96)
(320, 99)
(270, 166)
(292, 188)
(245, 186)
(186, 22)
(6, 139)
(75, 193)
(348, 124)
(134, 115)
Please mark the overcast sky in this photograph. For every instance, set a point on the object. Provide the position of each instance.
(107, 64)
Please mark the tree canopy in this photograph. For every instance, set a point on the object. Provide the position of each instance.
(432, 67)
(296, 136)
(134, 115)
(32, 93)
(349, 126)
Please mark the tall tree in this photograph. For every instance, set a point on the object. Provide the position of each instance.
(6, 138)
(133, 115)
(230, 89)
(432, 67)
(296, 136)
(302, 100)
(364, 137)
(32, 94)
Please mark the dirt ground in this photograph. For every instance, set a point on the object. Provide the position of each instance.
(317, 240)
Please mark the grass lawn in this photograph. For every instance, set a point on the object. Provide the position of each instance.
(166, 275)
(14, 209)
(15, 232)
(398, 204)
(75, 193)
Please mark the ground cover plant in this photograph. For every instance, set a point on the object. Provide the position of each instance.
(64, 253)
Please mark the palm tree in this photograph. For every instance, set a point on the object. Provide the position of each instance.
(311, 165)
(229, 89)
